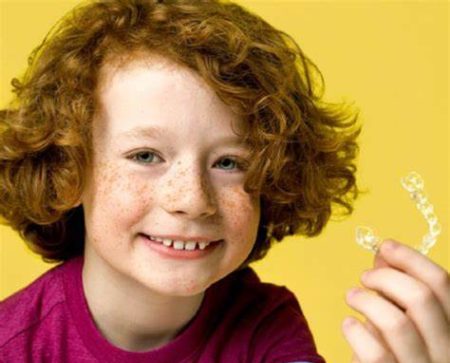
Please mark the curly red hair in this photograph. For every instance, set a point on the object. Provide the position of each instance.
(304, 149)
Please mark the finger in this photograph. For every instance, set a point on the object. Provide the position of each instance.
(420, 267)
(366, 348)
(419, 303)
(379, 261)
(372, 328)
(397, 329)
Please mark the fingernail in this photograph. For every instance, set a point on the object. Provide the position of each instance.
(352, 292)
(365, 275)
(390, 245)
(348, 321)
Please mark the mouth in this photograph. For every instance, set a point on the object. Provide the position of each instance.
(179, 249)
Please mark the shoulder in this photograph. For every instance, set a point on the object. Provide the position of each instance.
(269, 317)
(266, 297)
(31, 305)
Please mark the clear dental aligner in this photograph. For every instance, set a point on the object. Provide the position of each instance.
(414, 184)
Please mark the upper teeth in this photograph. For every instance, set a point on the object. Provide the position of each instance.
(181, 245)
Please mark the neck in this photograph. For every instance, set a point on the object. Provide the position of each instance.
(130, 315)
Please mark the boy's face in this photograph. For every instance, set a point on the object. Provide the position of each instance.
(182, 181)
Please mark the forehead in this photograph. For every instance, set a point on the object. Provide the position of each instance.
(114, 65)
(146, 93)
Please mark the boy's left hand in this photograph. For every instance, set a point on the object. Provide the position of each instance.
(409, 317)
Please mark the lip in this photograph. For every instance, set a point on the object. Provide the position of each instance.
(170, 252)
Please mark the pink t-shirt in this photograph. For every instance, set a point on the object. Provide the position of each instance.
(241, 319)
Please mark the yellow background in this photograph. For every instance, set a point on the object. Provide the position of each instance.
(391, 60)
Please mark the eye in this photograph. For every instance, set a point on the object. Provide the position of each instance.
(229, 163)
(144, 157)
(232, 161)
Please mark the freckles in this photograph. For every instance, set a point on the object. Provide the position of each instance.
(123, 196)
(103, 184)
(104, 177)
(238, 214)
(173, 190)
(241, 205)
(172, 196)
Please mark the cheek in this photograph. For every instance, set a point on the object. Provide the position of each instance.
(122, 200)
(242, 212)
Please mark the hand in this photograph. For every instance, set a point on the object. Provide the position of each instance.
(408, 316)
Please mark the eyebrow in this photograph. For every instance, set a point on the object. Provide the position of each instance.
(155, 132)
(149, 131)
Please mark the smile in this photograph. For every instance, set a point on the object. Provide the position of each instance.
(180, 249)
(181, 245)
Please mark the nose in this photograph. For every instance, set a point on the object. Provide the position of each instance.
(189, 192)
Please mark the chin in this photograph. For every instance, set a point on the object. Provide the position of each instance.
(178, 288)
